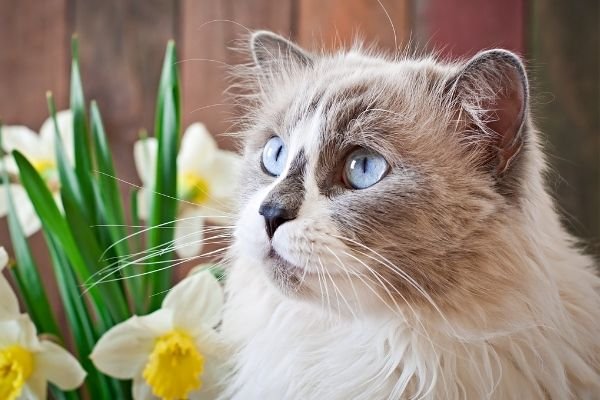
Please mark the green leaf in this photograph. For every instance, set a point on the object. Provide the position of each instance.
(81, 139)
(80, 223)
(107, 180)
(106, 299)
(27, 276)
(74, 204)
(163, 208)
(110, 207)
(84, 330)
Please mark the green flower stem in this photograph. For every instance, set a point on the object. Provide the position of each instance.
(163, 208)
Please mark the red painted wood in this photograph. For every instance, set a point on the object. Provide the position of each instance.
(462, 27)
(33, 59)
(335, 23)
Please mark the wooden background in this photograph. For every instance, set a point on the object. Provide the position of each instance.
(122, 45)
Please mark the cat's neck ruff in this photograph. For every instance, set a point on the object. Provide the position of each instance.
(286, 349)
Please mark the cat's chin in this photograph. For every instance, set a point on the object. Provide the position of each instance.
(285, 275)
(290, 279)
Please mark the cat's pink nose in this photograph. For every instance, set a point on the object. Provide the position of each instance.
(275, 215)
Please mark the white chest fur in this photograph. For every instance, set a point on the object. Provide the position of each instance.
(285, 349)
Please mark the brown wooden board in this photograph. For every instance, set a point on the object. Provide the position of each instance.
(122, 46)
(209, 28)
(329, 24)
(564, 62)
(33, 59)
(463, 27)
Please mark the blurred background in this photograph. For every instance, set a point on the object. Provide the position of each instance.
(123, 42)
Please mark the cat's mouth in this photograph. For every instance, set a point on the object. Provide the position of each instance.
(285, 275)
(280, 262)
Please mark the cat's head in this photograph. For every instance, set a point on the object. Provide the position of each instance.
(371, 181)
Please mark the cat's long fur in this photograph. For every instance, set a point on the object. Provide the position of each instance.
(452, 278)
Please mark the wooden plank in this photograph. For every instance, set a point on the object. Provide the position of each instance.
(565, 65)
(33, 39)
(122, 47)
(462, 27)
(329, 24)
(208, 28)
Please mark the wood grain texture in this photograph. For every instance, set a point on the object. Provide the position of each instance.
(33, 59)
(331, 23)
(463, 27)
(565, 69)
(122, 47)
(209, 28)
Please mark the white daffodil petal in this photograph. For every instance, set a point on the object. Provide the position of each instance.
(28, 333)
(196, 302)
(211, 344)
(25, 211)
(59, 366)
(140, 389)
(143, 203)
(3, 258)
(197, 149)
(189, 233)
(215, 353)
(144, 155)
(36, 387)
(211, 384)
(157, 323)
(9, 165)
(9, 305)
(9, 331)
(222, 174)
(123, 350)
(22, 139)
(64, 120)
(19, 330)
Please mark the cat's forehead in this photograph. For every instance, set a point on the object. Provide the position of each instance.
(354, 101)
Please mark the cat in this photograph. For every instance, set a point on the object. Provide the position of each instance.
(395, 239)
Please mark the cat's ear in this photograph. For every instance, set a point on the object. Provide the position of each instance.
(492, 89)
(274, 54)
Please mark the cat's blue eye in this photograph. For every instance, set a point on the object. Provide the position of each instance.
(364, 168)
(274, 156)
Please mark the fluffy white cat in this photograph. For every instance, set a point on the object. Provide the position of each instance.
(395, 238)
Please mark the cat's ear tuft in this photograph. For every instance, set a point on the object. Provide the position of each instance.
(492, 88)
(273, 53)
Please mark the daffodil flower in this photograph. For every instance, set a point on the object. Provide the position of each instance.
(40, 151)
(205, 182)
(27, 363)
(9, 306)
(173, 353)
